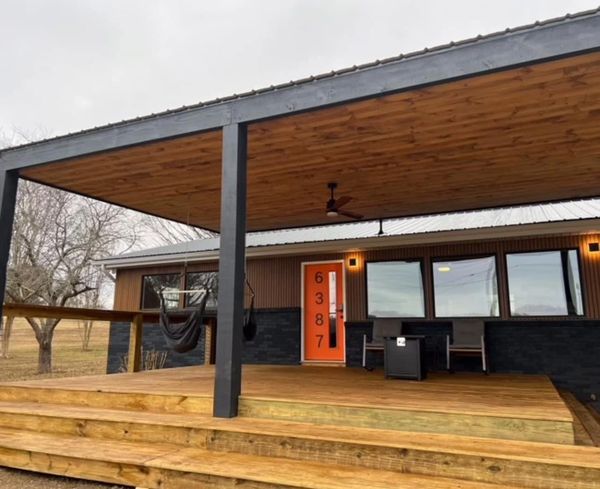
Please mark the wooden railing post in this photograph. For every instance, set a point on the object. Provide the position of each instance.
(6, 332)
(134, 362)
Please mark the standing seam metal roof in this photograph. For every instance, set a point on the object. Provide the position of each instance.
(456, 221)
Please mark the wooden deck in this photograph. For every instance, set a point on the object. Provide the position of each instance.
(497, 406)
(304, 427)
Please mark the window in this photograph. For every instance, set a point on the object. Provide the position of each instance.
(200, 281)
(466, 288)
(168, 284)
(545, 283)
(395, 289)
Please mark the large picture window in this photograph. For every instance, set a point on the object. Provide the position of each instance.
(200, 282)
(153, 285)
(544, 283)
(466, 288)
(395, 289)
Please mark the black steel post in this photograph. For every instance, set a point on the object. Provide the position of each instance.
(8, 196)
(230, 315)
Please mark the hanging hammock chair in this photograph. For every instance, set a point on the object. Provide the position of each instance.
(182, 336)
(250, 326)
(182, 329)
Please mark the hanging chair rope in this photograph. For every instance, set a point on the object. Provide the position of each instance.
(182, 329)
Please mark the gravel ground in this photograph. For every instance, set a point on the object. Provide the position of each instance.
(17, 479)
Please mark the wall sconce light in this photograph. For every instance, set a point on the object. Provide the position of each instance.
(593, 247)
(352, 262)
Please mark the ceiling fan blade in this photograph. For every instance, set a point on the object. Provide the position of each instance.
(342, 201)
(351, 214)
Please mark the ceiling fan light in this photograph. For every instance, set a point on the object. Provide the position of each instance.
(332, 213)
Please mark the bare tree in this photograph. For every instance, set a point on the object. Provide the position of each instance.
(90, 300)
(165, 232)
(56, 238)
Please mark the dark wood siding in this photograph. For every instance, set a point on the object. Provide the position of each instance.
(277, 280)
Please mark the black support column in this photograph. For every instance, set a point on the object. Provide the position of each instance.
(230, 316)
(8, 197)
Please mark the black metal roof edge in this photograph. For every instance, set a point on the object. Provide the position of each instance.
(311, 79)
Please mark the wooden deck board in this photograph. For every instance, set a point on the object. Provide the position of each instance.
(525, 397)
(586, 424)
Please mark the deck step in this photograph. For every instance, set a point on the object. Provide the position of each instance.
(133, 401)
(529, 464)
(540, 428)
(164, 466)
(585, 420)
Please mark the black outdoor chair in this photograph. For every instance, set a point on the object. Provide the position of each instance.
(468, 339)
(382, 328)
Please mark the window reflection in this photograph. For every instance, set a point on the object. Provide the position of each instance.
(168, 284)
(544, 283)
(200, 282)
(395, 289)
(466, 288)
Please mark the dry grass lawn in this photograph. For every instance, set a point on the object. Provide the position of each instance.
(68, 361)
(68, 358)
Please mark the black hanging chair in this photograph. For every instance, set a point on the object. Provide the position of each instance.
(250, 326)
(182, 336)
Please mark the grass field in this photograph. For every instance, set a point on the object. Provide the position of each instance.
(67, 357)
(68, 361)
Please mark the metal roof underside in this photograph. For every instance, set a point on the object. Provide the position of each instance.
(576, 210)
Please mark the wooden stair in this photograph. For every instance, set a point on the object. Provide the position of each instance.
(164, 466)
(587, 420)
(157, 449)
(502, 422)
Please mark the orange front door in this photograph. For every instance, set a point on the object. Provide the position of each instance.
(324, 312)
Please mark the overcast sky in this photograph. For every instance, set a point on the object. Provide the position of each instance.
(72, 64)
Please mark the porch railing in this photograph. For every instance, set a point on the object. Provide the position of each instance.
(135, 318)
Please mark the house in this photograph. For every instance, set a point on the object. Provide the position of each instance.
(509, 120)
(506, 265)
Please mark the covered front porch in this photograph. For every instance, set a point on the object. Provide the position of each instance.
(511, 118)
(507, 119)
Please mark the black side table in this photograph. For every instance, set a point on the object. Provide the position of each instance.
(405, 357)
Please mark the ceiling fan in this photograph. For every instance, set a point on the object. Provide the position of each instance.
(334, 206)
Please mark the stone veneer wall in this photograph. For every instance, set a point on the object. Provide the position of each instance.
(277, 342)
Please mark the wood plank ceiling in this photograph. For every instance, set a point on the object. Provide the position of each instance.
(526, 135)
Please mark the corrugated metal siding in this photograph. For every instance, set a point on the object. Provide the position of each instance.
(277, 280)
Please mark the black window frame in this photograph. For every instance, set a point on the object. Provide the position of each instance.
(451, 258)
(421, 262)
(143, 295)
(547, 250)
